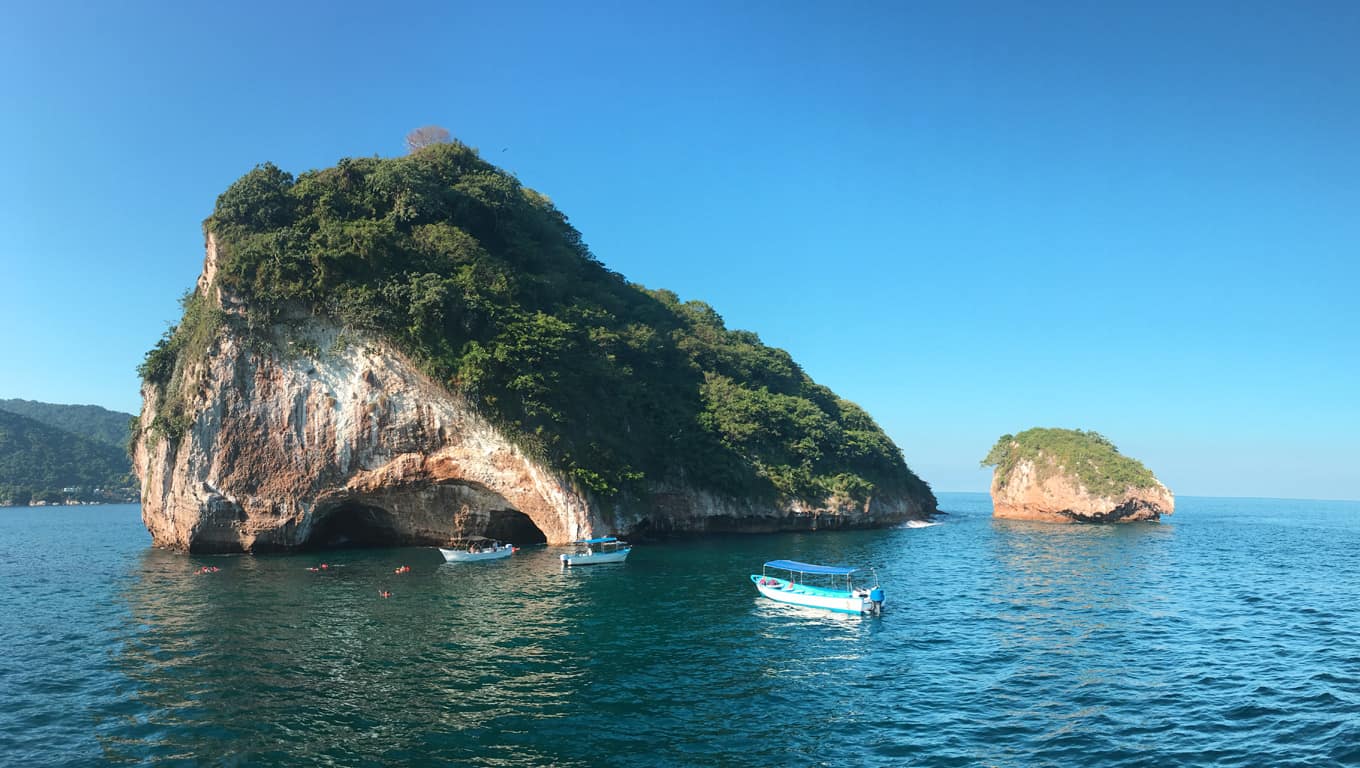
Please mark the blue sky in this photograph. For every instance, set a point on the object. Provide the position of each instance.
(971, 218)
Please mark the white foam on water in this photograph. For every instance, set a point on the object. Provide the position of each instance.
(920, 524)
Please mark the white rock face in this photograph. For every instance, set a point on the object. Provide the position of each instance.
(1058, 497)
(280, 442)
(326, 436)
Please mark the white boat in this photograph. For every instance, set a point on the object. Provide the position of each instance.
(831, 587)
(477, 548)
(605, 549)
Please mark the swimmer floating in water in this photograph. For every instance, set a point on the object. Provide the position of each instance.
(403, 569)
(384, 593)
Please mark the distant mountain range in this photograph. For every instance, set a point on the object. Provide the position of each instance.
(52, 453)
(85, 420)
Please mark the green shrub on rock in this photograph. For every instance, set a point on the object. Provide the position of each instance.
(1091, 457)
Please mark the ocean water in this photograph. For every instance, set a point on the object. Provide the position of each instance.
(1228, 635)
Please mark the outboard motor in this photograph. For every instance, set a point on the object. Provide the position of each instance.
(876, 599)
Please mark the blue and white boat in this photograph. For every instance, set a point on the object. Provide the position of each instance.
(831, 587)
(605, 549)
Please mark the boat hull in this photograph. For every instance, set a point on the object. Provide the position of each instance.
(597, 558)
(463, 556)
(793, 594)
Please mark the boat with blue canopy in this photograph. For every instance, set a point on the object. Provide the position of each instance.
(831, 587)
(605, 549)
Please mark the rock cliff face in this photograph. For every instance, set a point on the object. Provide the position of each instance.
(323, 437)
(1055, 496)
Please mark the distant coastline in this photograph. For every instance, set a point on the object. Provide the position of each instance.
(53, 454)
(71, 503)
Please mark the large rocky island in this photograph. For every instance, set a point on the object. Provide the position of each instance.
(1072, 476)
(397, 351)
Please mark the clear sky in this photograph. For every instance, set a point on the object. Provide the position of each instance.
(971, 218)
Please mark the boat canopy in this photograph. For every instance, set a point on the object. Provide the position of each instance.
(794, 565)
(600, 540)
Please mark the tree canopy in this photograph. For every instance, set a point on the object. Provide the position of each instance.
(484, 284)
(1095, 462)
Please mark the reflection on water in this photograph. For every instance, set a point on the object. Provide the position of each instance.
(506, 661)
(1065, 582)
(1228, 636)
(1062, 602)
(274, 654)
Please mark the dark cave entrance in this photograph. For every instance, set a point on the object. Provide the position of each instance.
(351, 524)
(515, 527)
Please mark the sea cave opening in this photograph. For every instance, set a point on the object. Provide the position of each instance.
(515, 527)
(351, 524)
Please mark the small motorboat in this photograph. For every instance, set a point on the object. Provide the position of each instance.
(831, 587)
(605, 549)
(473, 548)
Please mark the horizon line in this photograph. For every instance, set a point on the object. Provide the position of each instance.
(1202, 496)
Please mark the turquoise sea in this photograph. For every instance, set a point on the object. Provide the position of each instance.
(1228, 635)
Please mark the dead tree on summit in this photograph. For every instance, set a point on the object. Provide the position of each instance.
(425, 136)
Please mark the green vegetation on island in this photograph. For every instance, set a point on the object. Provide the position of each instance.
(1089, 456)
(39, 462)
(486, 286)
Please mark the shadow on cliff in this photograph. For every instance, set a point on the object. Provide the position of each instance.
(358, 525)
(354, 525)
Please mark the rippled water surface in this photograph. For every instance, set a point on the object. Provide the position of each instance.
(1228, 635)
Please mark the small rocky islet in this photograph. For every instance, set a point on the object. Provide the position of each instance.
(1072, 476)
